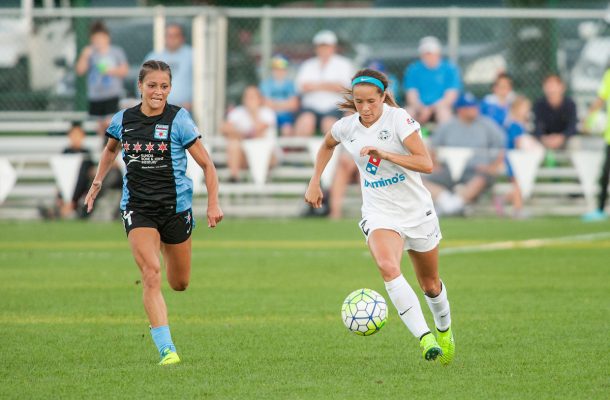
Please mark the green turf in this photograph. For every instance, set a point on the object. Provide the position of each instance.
(261, 318)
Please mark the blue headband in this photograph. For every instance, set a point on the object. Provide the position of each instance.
(368, 79)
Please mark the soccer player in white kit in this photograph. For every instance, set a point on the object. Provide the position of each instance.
(397, 210)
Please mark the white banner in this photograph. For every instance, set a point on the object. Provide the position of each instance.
(313, 145)
(588, 165)
(194, 171)
(258, 153)
(8, 177)
(456, 159)
(525, 165)
(66, 168)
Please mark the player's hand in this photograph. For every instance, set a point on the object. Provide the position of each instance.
(94, 190)
(373, 151)
(214, 216)
(313, 195)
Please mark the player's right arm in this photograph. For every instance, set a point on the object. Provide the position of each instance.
(314, 195)
(109, 155)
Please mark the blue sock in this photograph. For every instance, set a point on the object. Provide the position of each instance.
(162, 338)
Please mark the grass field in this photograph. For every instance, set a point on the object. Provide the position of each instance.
(261, 318)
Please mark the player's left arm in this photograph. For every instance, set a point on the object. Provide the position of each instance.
(419, 160)
(201, 157)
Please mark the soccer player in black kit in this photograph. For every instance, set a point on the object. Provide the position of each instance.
(156, 204)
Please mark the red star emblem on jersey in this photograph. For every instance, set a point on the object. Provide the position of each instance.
(150, 147)
(137, 147)
(162, 147)
(126, 146)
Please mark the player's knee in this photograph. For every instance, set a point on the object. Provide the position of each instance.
(389, 269)
(151, 274)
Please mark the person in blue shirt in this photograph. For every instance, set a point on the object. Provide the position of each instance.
(179, 56)
(496, 105)
(280, 94)
(157, 195)
(432, 84)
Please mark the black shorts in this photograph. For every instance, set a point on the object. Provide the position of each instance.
(338, 114)
(173, 228)
(102, 108)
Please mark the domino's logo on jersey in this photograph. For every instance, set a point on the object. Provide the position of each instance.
(373, 165)
(161, 131)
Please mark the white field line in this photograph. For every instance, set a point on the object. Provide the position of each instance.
(525, 244)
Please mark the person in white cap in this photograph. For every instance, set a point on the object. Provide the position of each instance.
(431, 84)
(320, 81)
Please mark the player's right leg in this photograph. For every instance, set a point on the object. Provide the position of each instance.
(145, 246)
(386, 247)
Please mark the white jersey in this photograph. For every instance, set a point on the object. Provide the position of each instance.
(387, 188)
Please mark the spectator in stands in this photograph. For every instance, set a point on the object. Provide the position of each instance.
(179, 56)
(431, 84)
(61, 209)
(320, 81)
(496, 105)
(105, 66)
(280, 94)
(252, 119)
(555, 115)
(603, 96)
(515, 126)
(472, 130)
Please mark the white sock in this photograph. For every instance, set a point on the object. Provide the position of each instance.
(405, 300)
(439, 306)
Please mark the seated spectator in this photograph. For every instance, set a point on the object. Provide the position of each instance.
(62, 209)
(280, 94)
(497, 104)
(179, 56)
(320, 81)
(250, 120)
(515, 126)
(394, 84)
(555, 115)
(472, 130)
(431, 84)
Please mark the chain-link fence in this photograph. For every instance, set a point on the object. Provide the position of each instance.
(38, 56)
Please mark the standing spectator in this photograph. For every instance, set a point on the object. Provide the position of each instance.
(179, 56)
(320, 81)
(250, 120)
(603, 96)
(555, 115)
(472, 130)
(496, 105)
(105, 66)
(280, 94)
(431, 84)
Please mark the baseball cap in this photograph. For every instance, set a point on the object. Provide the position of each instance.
(466, 100)
(279, 61)
(429, 44)
(325, 37)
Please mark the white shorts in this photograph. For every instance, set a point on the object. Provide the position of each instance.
(421, 238)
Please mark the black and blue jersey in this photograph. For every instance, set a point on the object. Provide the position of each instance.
(154, 151)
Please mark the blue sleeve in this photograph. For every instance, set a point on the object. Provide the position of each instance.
(185, 129)
(264, 88)
(454, 81)
(115, 129)
(410, 78)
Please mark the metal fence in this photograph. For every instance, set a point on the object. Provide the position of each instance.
(232, 48)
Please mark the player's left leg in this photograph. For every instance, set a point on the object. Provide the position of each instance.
(177, 258)
(425, 264)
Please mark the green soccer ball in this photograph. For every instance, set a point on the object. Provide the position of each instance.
(364, 312)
